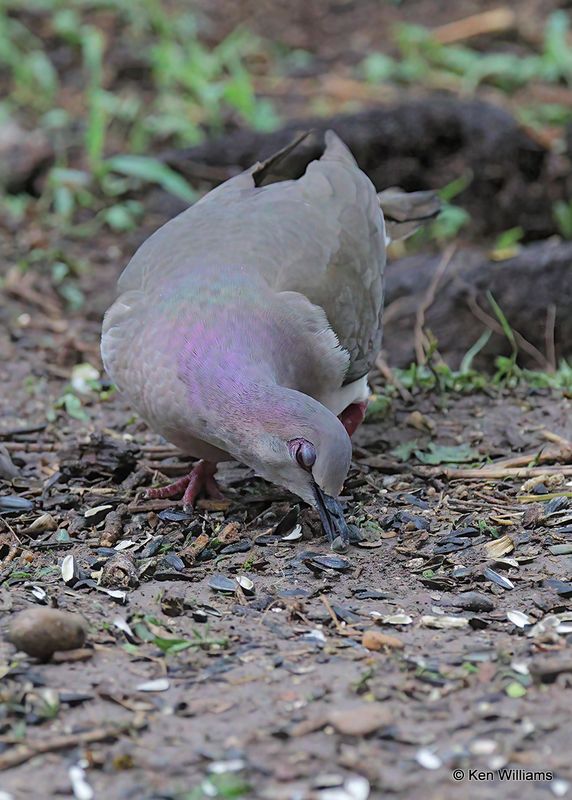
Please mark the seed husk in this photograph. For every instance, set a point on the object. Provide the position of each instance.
(220, 583)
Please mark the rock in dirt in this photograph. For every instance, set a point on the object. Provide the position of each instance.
(546, 668)
(375, 640)
(359, 719)
(470, 601)
(40, 632)
(8, 470)
(23, 155)
(435, 139)
(459, 314)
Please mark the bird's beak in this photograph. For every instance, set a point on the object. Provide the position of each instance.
(332, 518)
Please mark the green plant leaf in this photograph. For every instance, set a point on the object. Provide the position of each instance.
(448, 454)
(377, 67)
(515, 690)
(473, 351)
(142, 632)
(72, 406)
(172, 645)
(508, 238)
(378, 407)
(505, 325)
(455, 187)
(563, 215)
(451, 220)
(405, 450)
(152, 171)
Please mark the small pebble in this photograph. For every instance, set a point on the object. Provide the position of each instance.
(40, 632)
(375, 640)
(359, 719)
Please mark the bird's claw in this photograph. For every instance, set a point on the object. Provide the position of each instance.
(200, 480)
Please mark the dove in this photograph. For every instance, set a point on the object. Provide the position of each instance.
(246, 326)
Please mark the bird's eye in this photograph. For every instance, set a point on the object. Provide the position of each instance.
(304, 452)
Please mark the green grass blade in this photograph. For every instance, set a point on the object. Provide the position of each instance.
(152, 171)
(504, 323)
(473, 351)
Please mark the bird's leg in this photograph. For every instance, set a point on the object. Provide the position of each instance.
(353, 416)
(201, 479)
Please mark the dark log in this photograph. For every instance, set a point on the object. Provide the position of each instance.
(533, 289)
(421, 144)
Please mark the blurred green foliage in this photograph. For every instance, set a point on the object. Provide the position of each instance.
(112, 81)
(61, 72)
(424, 61)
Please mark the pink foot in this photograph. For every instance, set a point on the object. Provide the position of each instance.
(200, 480)
(353, 416)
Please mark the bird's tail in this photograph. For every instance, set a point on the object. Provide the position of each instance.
(405, 212)
(279, 167)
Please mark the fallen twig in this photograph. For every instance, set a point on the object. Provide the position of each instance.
(496, 20)
(21, 287)
(421, 341)
(22, 753)
(550, 336)
(159, 450)
(343, 630)
(113, 529)
(496, 327)
(22, 431)
(31, 447)
(562, 455)
(489, 473)
(336, 87)
(542, 498)
(143, 507)
(555, 437)
(332, 613)
(392, 378)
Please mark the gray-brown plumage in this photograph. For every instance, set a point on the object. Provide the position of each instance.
(247, 324)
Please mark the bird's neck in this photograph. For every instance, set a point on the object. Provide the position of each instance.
(254, 376)
(255, 402)
(240, 398)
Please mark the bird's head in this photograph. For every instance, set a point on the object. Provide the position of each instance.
(306, 449)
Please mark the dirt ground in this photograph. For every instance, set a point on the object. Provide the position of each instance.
(276, 687)
(430, 657)
(339, 31)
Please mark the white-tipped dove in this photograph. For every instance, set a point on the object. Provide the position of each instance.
(246, 326)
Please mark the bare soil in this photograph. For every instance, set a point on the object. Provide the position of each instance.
(268, 670)
(272, 694)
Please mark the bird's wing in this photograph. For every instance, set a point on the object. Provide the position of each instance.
(321, 235)
(346, 277)
(406, 212)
